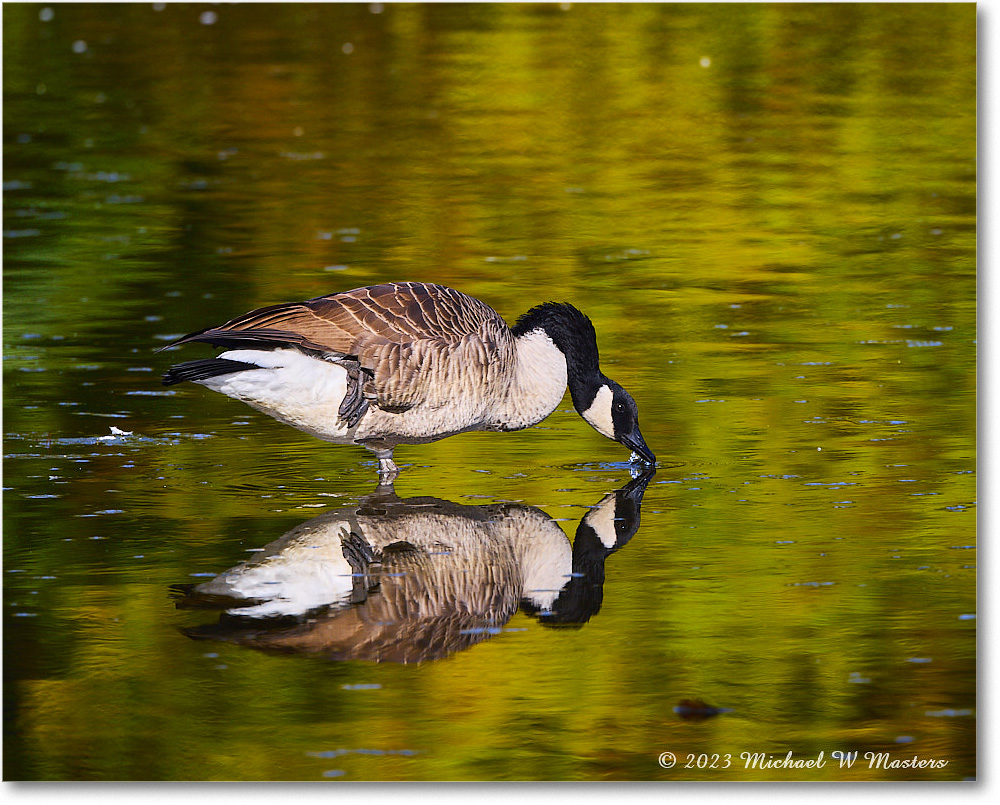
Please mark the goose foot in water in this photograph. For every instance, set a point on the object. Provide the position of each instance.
(387, 471)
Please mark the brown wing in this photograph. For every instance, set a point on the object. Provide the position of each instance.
(404, 333)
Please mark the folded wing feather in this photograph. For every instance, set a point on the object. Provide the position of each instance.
(413, 337)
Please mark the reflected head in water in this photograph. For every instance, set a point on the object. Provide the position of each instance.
(396, 580)
(410, 363)
(605, 529)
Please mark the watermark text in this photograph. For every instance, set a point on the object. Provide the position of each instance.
(765, 760)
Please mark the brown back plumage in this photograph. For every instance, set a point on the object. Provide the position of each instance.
(416, 339)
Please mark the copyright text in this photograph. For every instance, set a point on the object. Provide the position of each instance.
(764, 760)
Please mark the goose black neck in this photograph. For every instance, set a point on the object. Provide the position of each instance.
(574, 336)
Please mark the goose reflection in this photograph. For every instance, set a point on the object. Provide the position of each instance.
(416, 579)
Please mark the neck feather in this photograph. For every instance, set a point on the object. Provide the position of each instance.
(539, 382)
(574, 336)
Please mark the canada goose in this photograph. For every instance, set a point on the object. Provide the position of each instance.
(409, 363)
(407, 580)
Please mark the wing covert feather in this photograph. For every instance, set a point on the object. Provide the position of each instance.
(422, 343)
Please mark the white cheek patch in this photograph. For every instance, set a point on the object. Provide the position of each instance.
(599, 413)
(602, 519)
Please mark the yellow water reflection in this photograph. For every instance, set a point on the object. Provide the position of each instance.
(767, 210)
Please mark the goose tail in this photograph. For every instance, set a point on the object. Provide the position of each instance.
(203, 369)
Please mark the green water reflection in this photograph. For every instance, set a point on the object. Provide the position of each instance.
(767, 210)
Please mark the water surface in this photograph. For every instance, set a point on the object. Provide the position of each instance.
(767, 210)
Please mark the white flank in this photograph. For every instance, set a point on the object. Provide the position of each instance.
(297, 389)
(309, 573)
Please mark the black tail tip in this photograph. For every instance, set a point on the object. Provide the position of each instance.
(204, 369)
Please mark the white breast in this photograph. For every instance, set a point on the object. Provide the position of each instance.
(539, 382)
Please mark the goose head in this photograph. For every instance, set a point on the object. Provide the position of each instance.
(603, 403)
(613, 413)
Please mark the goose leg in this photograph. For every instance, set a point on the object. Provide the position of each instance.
(387, 470)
